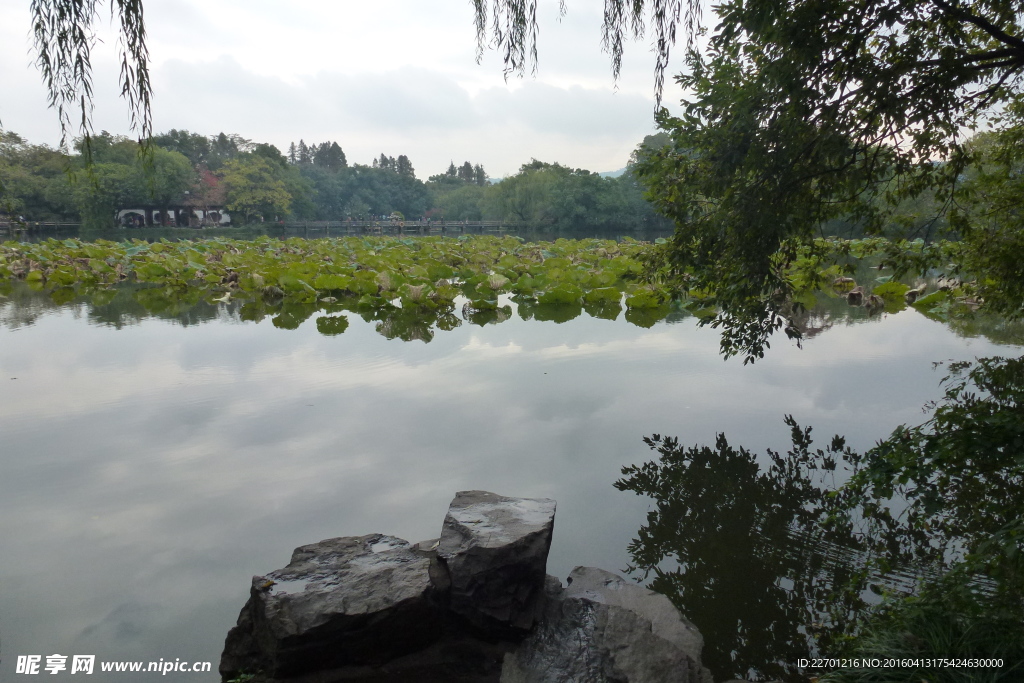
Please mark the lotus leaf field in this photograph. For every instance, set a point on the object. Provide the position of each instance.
(410, 285)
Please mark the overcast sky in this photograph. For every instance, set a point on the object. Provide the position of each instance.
(391, 76)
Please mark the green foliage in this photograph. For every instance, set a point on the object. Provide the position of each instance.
(944, 500)
(990, 219)
(891, 291)
(254, 181)
(33, 180)
(645, 297)
(63, 37)
(254, 187)
(721, 524)
(294, 278)
(949, 619)
(961, 474)
(555, 195)
(563, 293)
(793, 122)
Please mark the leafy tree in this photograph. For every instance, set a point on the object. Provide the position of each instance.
(62, 31)
(32, 180)
(463, 202)
(404, 167)
(109, 187)
(386, 163)
(194, 146)
(552, 194)
(330, 192)
(253, 189)
(480, 175)
(166, 176)
(789, 128)
(330, 156)
(526, 196)
(295, 184)
(207, 192)
(224, 147)
(117, 177)
(990, 220)
(304, 156)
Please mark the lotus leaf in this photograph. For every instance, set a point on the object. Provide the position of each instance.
(291, 283)
(439, 271)
(484, 304)
(332, 282)
(806, 299)
(603, 294)
(644, 297)
(932, 301)
(891, 291)
(496, 282)
(365, 282)
(62, 277)
(564, 293)
(524, 285)
(556, 262)
(151, 272)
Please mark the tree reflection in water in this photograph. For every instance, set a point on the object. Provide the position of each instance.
(772, 563)
(741, 550)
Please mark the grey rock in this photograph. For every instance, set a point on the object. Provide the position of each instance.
(604, 629)
(473, 606)
(351, 601)
(496, 549)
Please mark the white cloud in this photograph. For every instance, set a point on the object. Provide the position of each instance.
(393, 76)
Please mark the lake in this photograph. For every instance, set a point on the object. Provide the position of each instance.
(151, 465)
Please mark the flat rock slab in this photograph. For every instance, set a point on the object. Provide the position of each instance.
(350, 601)
(604, 629)
(496, 549)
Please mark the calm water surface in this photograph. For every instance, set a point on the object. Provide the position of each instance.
(148, 468)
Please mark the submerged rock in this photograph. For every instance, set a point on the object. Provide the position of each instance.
(604, 629)
(496, 552)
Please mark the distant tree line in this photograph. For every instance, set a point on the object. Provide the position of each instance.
(312, 181)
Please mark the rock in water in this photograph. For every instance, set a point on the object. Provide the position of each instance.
(473, 607)
(604, 629)
(496, 552)
(352, 601)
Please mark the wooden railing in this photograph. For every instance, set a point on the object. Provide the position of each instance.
(434, 227)
(390, 226)
(15, 226)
